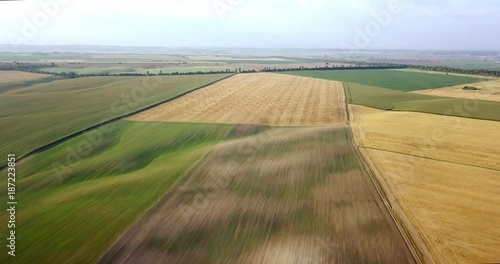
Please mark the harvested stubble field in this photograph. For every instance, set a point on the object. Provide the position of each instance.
(453, 139)
(285, 195)
(454, 208)
(261, 98)
(443, 172)
(489, 91)
(17, 76)
(10, 80)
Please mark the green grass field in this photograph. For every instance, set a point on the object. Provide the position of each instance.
(71, 209)
(387, 99)
(40, 114)
(391, 79)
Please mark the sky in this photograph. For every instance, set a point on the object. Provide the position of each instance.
(334, 24)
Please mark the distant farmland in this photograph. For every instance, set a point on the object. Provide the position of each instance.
(391, 79)
(40, 114)
(138, 69)
(258, 98)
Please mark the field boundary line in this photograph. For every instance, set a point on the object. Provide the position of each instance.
(410, 234)
(429, 113)
(444, 73)
(427, 158)
(418, 252)
(115, 119)
(242, 123)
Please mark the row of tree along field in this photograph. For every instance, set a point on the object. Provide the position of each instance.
(37, 68)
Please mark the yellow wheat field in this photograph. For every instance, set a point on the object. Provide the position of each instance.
(453, 139)
(489, 90)
(17, 76)
(454, 208)
(441, 175)
(261, 98)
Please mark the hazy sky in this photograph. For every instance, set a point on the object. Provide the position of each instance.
(404, 24)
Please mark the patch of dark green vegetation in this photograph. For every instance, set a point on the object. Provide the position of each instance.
(247, 130)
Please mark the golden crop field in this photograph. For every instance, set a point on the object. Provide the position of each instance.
(453, 139)
(489, 91)
(260, 98)
(18, 76)
(441, 175)
(454, 208)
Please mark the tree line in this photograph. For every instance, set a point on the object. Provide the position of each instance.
(36, 68)
(336, 67)
(456, 70)
(24, 66)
